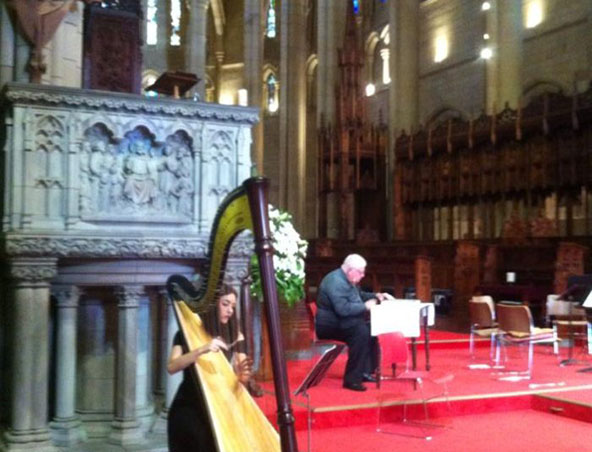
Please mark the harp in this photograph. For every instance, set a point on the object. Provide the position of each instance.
(236, 421)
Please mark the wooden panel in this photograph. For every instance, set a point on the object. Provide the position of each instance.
(112, 50)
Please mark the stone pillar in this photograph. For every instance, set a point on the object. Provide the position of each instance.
(66, 428)
(65, 61)
(403, 45)
(161, 342)
(196, 48)
(503, 69)
(125, 428)
(491, 71)
(144, 401)
(28, 427)
(292, 109)
(509, 57)
(6, 46)
(329, 38)
(253, 76)
(219, 55)
(172, 381)
(403, 92)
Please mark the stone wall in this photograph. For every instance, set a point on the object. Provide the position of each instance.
(460, 82)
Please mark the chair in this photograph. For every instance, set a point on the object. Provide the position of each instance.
(394, 352)
(516, 328)
(574, 329)
(483, 323)
(321, 346)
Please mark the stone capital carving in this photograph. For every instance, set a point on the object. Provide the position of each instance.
(129, 296)
(236, 271)
(66, 296)
(242, 247)
(33, 270)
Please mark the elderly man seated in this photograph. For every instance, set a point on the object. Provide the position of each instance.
(341, 315)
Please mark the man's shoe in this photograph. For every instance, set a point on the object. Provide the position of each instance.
(354, 386)
(368, 378)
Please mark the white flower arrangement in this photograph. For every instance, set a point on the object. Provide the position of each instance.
(288, 259)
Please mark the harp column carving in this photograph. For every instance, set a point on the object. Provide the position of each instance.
(30, 282)
(125, 428)
(66, 427)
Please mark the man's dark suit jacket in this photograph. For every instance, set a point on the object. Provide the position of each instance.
(340, 304)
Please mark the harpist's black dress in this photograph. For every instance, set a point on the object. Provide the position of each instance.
(188, 427)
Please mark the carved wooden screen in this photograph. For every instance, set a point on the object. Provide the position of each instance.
(112, 56)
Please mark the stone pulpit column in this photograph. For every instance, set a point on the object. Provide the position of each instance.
(29, 351)
(66, 427)
(173, 381)
(125, 428)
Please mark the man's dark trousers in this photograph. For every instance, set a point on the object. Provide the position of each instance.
(361, 349)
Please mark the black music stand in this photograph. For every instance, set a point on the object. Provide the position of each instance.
(314, 377)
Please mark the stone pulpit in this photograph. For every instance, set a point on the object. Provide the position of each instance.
(104, 195)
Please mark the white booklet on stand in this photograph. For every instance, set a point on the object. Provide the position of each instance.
(588, 301)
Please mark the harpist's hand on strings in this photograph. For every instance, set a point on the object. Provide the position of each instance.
(215, 345)
(179, 360)
(243, 367)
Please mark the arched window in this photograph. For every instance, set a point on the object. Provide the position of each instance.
(175, 22)
(272, 94)
(270, 28)
(151, 23)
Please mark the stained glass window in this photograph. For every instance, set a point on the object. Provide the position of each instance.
(270, 31)
(356, 6)
(151, 24)
(272, 102)
(175, 22)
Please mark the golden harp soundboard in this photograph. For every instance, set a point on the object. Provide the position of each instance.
(237, 421)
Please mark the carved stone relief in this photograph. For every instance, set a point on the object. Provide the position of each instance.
(136, 175)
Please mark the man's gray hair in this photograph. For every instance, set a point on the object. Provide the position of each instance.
(353, 261)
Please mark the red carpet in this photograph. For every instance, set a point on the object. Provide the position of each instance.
(548, 409)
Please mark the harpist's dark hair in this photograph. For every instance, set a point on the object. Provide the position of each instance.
(226, 289)
(212, 324)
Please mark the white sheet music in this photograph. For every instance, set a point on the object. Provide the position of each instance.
(400, 315)
(588, 301)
